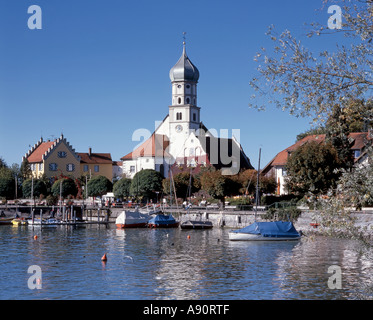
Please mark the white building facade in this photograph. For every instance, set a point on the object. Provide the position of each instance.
(181, 138)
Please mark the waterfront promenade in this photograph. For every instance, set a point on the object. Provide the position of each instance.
(229, 217)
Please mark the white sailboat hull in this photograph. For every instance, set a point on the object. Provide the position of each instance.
(257, 237)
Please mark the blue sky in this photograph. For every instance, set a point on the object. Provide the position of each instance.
(98, 70)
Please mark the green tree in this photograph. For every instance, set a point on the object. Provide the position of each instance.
(181, 182)
(145, 183)
(337, 133)
(215, 184)
(25, 170)
(7, 187)
(2, 163)
(312, 168)
(356, 186)
(39, 188)
(98, 186)
(69, 188)
(121, 188)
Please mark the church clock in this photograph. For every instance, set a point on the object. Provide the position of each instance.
(179, 128)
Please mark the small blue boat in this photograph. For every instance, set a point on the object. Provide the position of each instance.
(163, 221)
(266, 231)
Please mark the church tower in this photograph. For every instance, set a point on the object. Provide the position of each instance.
(184, 114)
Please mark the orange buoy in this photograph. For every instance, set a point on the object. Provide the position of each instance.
(104, 258)
(35, 237)
(188, 236)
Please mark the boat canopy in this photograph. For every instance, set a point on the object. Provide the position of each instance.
(162, 218)
(271, 229)
(128, 215)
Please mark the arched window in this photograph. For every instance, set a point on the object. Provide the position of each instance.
(187, 100)
(179, 100)
(179, 116)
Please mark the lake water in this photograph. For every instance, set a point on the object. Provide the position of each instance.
(165, 264)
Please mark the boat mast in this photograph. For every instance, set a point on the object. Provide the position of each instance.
(173, 185)
(189, 190)
(257, 186)
(170, 176)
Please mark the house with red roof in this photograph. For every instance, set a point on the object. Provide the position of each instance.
(96, 164)
(277, 166)
(53, 158)
(58, 157)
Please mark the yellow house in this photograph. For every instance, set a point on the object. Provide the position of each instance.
(53, 158)
(96, 164)
(56, 158)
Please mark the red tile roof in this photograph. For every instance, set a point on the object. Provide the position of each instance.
(37, 155)
(117, 163)
(95, 158)
(155, 146)
(281, 158)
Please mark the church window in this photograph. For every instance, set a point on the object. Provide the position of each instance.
(188, 86)
(187, 100)
(194, 117)
(179, 116)
(179, 100)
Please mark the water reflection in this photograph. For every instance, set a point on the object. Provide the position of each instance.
(167, 264)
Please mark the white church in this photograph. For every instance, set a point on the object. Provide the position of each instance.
(181, 138)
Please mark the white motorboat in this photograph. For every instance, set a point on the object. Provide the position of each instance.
(51, 222)
(132, 219)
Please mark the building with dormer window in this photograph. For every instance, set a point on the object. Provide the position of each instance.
(53, 158)
(58, 157)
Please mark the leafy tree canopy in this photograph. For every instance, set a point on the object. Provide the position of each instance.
(121, 188)
(146, 182)
(98, 186)
(312, 168)
(38, 187)
(68, 188)
(7, 187)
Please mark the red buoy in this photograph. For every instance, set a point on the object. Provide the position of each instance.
(104, 258)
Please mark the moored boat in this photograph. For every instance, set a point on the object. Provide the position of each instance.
(196, 224)
(19, 222)
(6, 221)
(132, 219)
(51, 222)
(266, 231)
(163, 221)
